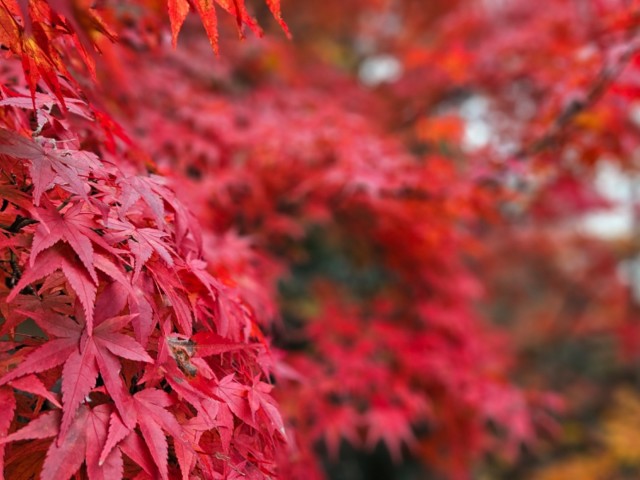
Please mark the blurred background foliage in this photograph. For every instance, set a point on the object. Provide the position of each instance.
(432, 208)
(512, 111)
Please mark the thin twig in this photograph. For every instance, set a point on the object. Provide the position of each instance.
(604, 80)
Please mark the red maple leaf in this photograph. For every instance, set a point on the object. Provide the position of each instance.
(84, 355)
(49, 165)
(83, 443)
(74, 226)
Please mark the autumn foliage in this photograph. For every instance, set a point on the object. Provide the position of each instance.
(139, 349)
(271, 263)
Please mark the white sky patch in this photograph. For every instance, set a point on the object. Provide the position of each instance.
(477, 132)
(378, 69)
(617, 186)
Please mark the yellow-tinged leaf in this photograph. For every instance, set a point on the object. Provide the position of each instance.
(178, 11)
(622, 427)
(580, 467)
(207, 12)
(274, 6)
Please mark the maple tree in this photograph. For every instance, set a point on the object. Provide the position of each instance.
(245, 270)
(135, 346)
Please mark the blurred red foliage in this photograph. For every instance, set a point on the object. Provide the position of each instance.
(240, 267)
